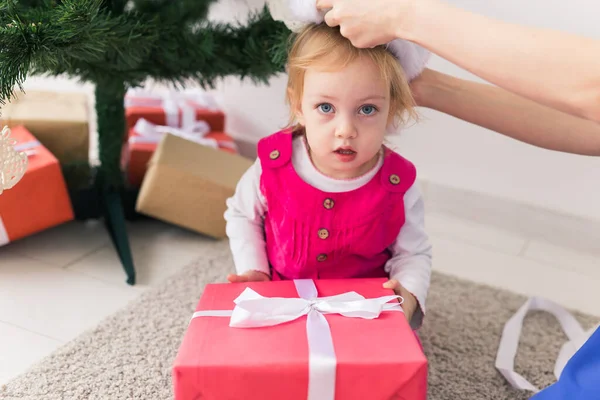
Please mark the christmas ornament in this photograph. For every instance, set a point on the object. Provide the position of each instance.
(13, 164)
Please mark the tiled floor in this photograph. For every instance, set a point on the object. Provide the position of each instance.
(51, 283)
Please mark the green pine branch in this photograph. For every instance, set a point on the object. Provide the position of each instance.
(169, 11)
(82, 39)
(51, 37)
(212, 51)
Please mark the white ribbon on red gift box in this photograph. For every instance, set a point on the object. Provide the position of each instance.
(253, 310)
(28, 147)
(147, 132)
(174, 104)
(4, 240)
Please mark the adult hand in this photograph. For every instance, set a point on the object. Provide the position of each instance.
(370, 23)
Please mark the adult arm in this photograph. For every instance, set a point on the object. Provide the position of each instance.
(511, 115)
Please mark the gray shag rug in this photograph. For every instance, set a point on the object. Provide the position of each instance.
(129, 355)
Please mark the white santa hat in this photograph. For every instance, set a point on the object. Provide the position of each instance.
(297, 13)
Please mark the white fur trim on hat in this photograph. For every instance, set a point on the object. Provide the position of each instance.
(412, 57)
(306, 11)
(297, 13)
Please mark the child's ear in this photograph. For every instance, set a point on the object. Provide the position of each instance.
(296, 106)
(300, 117)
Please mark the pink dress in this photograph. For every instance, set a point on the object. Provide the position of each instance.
(319, 235)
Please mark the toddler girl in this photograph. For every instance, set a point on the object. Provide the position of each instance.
(326, 199)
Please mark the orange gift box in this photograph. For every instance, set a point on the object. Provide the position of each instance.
(40, 200)
(175, 109)
(139, 149)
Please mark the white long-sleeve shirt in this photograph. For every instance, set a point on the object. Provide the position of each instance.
(411, 253)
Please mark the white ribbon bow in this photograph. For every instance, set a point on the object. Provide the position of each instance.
(173, 103)
(253, 310)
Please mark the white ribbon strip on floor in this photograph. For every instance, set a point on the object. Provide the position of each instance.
(509, 342)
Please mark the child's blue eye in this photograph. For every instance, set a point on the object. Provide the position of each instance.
(368, 110)
(325, 108)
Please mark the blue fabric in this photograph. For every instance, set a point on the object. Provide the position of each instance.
(580, 379)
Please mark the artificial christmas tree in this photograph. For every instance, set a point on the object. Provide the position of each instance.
(119, 44)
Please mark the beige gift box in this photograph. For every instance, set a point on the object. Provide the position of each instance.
(187, 184)
(59, 120)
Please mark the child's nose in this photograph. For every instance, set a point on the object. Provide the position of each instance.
(346, 129)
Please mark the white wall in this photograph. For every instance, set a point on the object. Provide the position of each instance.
(448, 151)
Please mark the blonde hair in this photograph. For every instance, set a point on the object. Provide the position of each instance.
(324, 47)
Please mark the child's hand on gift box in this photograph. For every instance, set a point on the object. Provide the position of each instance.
(250, 276)
(410, 304)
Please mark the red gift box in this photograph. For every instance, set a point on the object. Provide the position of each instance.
(144, 137)
(176, 109)
(40, 200)
(375, 358)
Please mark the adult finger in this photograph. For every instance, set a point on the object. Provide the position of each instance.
(324, 4)
(331, 19)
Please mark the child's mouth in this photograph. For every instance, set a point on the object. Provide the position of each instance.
(345, 151)
(345, 154)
